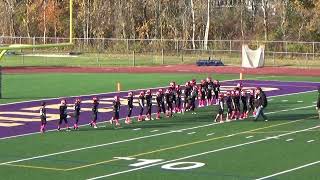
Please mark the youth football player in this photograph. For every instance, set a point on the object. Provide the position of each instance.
(43, 117)
(178, 99)
(216, 89)
(116, 110)
(95, 105)
(169, 100)
(210, 86)
(244, 100)
(76, 115)
(187, 92)
(63, 114)
(149, 105)
(141, 105)
(220, 108)
(229, 103)
(130, 107)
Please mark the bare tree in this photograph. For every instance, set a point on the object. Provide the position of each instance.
(193, 25)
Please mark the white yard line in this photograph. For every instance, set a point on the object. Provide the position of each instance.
(289, 170)
(210, 134)
(310, 141)
(196, 155)
(288, 140)
(249, 137)
(190, 133)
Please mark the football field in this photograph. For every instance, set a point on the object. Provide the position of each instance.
(187, 146)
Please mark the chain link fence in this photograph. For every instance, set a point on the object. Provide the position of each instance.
(140, 52)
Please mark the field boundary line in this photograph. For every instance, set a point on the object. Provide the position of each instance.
(289, 170)
(199, 154)
(28, 134)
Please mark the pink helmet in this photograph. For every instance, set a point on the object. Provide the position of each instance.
(130, 94)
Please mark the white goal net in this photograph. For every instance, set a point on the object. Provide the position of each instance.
(252, 58)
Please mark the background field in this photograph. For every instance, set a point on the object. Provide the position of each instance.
(166, 139)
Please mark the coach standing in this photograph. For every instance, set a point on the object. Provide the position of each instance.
(261, 104)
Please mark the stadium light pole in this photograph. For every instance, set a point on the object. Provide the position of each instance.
(71, 22)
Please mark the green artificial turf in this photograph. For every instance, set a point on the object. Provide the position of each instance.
(162, 139)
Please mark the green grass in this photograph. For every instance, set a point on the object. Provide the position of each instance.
(152, 58)
(243, 162)
(22, 87)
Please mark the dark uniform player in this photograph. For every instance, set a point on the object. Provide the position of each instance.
(216, 89)
(251, 99)
(116, 109)
(202, 93)
(187, 92)
(76, 115)
(149, 105)
(63, 114)
(244, 100)
(43, 117)
(160, 103)
(169, 101)
(229, 103)
(220, 108)
(210, 86)
(95, 104)
(192, 99)
(130, 107)
(141, 105)
(174, 94)
(178, 99)
(236, 101)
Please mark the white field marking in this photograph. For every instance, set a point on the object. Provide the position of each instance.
(106, 144)
(288, 81)
(286, 110)
(156, 130)
(196, 155)
(288, 140)
(289, 170)
(284, 100)
(28, 134)
(310, 141)
(210, 134)
(315, 102)
(230, 135)
(249, 137)
(125, 158)
(137, 129)
(122, 141)
(300, 101)
(191, 133)
(283, 85)
(88, 95)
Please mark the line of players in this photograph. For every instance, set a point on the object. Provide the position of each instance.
(168, 102)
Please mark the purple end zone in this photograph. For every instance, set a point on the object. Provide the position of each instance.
(9, 112)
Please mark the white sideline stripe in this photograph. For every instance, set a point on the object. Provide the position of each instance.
(289, 170)
(289, 140)
(284, 100)
(196, 155)
(300, 101)
(191, 133)
(28, 134)
(249, 137)
(310, 141)
(95, 94)
(210, 134)
(156, 130)
(101, 145)
(286, 110)
(288, 81)
(137, 129)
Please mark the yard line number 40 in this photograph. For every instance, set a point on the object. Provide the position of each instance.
(170, 166)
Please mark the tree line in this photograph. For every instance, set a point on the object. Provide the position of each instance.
(296, 20)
